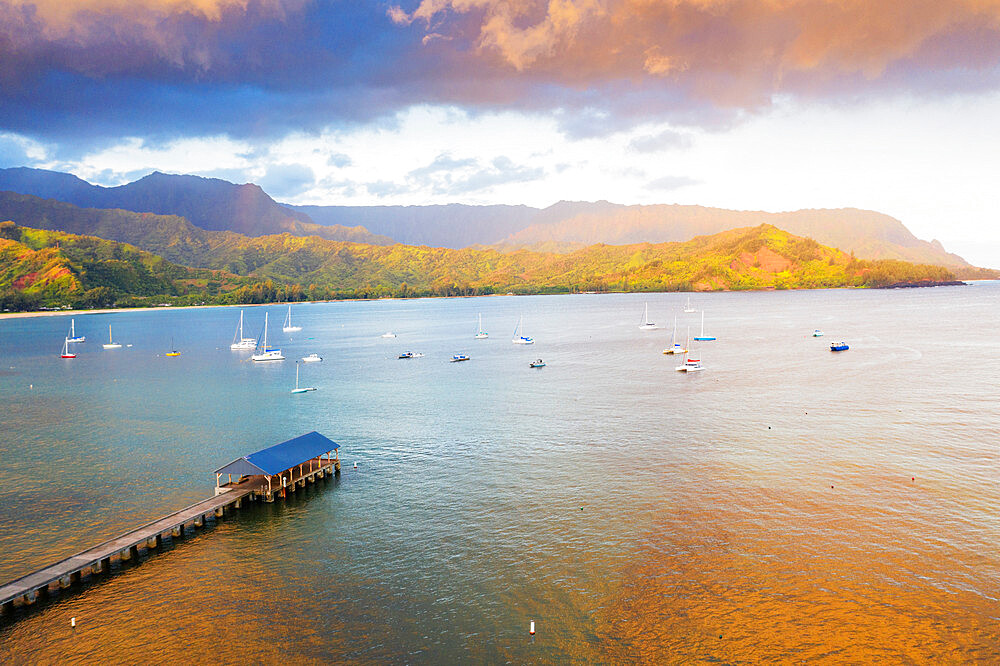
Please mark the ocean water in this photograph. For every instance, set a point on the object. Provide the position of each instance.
(786, 504)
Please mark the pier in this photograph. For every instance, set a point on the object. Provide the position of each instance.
(265, 475)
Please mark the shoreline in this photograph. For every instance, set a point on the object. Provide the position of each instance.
(59, 313)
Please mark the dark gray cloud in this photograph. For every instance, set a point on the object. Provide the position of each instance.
(86, 73)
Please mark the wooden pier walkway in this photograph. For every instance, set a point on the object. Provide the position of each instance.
(27, 589)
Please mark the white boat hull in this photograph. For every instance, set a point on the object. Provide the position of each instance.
(291, 329)
(246, 344)
(112, 346)
(273, 355)
(523, 341)
(304, 389)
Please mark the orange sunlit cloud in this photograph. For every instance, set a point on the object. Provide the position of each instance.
(710, 44)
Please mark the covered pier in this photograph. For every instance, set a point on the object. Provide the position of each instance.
(282, 468)
(264, 475)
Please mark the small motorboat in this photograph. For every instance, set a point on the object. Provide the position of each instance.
(817, 333)
(690, 365)
(839, 346)
(537, 363)
(459, 357)
(676, 349)
(407, 354)
(388, 334)
(312, 358)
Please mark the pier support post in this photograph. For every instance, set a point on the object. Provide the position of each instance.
(336, 466)
(65, 581)
(96, 568)
(74, 577)
(311, 478)
(199, 521)
(106, 563)
(219, 511)
(177, 531)
(7, 608)
(238, 503)
(269, 497)
(29, 597)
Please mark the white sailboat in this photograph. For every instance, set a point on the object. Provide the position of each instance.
(703, 337)
(646, 325)
(263, 352)
(304, 389)
(72, 333)
(241, 343)
(111, 344)
(66, 353)
(287, 326)
(480, 333)
(521, 339)
(690, 365)
(688, 308)
(675, 347)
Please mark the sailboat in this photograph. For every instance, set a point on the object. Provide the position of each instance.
(688, 308)
(173, 350)
(480, 333)
(690, 365)
(675, 347)
(65, 350)
(703, 337)
(287, 326)
(263, 352)
(521, 339)
(240, 342)
(304, 389)
(111, 344)
(646, 325)
(72, 333)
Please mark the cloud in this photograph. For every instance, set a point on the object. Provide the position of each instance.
(339, 160)
(670, 183)
(286, 181)
(81, 72)
(455, 177)
(666, 140)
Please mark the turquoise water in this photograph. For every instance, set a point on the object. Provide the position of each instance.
(785, 504)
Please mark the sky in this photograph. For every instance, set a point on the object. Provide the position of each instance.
(769, 105)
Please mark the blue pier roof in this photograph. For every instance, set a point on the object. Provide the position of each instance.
(278, 458)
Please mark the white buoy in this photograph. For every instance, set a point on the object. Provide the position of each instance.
(72, 622)
(355, 465)
(531, 629)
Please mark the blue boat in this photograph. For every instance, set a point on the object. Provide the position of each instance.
(703, 337)
(839, 346)
(459, 357)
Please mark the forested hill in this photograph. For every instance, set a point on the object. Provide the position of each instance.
(276, 267)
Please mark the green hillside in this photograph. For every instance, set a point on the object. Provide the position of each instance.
(54, 268)
(49, 268)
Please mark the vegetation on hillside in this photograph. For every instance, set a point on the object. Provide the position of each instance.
(46, 268)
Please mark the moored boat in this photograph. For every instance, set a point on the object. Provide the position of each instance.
(839, 346)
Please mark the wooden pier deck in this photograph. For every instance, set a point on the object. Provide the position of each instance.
(26, 590)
